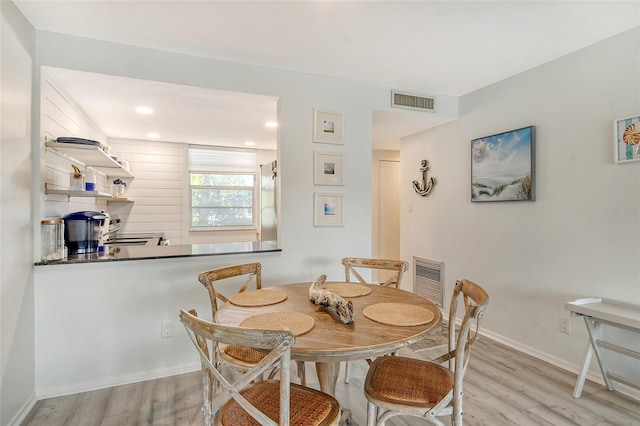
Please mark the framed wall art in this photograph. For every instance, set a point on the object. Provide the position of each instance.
(327, 209)
(327, 168)
(327, 127)
(502, 166)
(626, 136)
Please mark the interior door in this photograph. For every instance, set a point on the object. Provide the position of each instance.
(388, 212)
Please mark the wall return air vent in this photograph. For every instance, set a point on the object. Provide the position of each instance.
(413, 102)
(428, 279)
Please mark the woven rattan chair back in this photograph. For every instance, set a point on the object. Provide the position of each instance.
(354, 265)
(394, 269)
(208, 278)
(407, 386)
(238, 357)
(245, 401)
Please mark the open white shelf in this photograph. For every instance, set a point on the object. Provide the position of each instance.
(91, 156)
(66, 193)
(119, 200)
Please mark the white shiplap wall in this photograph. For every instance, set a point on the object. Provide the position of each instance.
(62, 117)
(156, 190)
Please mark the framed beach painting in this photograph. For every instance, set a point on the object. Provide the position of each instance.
(502, 166)
(626, 136)
(327, 209)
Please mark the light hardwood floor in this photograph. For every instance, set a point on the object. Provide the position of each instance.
(502, 387)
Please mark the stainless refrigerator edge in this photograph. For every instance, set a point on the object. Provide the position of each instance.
(268, 203)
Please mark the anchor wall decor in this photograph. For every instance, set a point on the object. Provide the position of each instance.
(424, 188)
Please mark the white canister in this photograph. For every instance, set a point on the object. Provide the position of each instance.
(89, 179)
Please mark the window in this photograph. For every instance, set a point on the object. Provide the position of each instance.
(222, 187)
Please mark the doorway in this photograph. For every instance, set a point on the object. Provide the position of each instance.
(386, 208)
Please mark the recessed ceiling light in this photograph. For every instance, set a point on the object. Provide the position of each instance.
(271, 124)
(250, 143)
(144, 110)
(153, 135)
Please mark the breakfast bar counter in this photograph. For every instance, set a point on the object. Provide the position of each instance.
(117, 253)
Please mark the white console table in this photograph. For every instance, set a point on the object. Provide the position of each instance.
(596, 312)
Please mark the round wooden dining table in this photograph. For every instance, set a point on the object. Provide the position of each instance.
(330, 341)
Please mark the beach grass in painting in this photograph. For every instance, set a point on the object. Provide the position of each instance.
(502, 166)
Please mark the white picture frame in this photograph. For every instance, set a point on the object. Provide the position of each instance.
(626, 132)
(327, 127)
(327, 168)
(327, 209)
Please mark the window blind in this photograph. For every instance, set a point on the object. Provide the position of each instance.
(222, 160)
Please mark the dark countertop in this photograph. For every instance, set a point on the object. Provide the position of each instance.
(125, 253)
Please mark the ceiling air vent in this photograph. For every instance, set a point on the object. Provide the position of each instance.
(407, 101)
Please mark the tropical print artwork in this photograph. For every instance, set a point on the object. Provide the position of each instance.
(502, 166)
(627, 139)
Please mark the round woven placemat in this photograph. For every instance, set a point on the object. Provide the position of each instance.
(400, 314)
(297, 322)
(348, 289)
(258, 297)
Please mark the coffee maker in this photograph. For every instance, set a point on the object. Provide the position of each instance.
(82, 231)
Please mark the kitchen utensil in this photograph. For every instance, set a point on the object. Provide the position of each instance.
(76, 179)
(78, 141)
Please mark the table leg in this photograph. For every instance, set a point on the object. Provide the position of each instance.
(328, 376)
(577, 391)
(593, 327)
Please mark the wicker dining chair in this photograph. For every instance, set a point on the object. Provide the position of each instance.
(242, 358)
(406, 386)
(245, 401)
(238, 357)
(354, 265)
(352, 268)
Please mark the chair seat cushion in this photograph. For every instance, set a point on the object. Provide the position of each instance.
(408, 381)
(308, 407)
(244, 354)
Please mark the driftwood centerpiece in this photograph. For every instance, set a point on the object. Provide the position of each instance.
(329, 299)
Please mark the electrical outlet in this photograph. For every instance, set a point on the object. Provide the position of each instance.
(166, 329)
(565, 325)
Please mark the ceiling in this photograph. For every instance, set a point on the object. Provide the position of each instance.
(181, 113)
(431, 47)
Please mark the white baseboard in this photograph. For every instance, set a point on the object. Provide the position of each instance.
(558, 362)
(22, 414)
(51, 392)
(187, 368)
(594, 376)
(627, 390)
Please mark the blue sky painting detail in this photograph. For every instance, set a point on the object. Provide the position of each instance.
(502, 166)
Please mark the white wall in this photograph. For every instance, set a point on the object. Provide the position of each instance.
(581, 236)
(133, 298)
(16, 216)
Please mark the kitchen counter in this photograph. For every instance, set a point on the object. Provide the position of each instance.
(125, 253)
